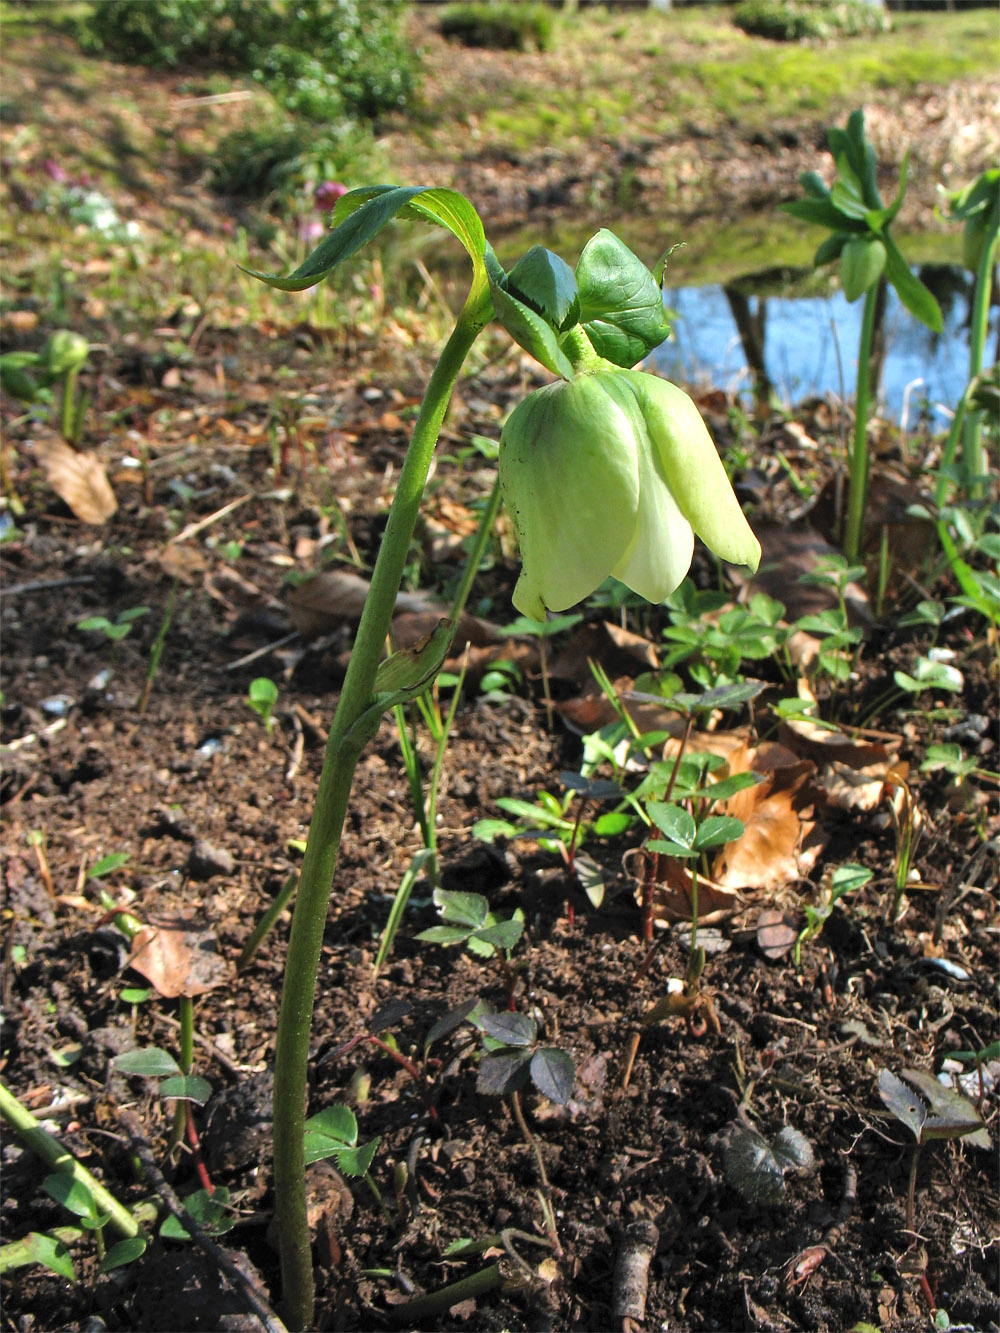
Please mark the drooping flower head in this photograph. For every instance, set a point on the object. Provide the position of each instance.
(613, 472)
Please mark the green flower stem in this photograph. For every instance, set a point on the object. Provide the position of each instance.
(50, 1150)
(972, 459)
(319, 863)
(858, 495)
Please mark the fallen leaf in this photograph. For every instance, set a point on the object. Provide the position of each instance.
(672, 894)
(776, 816)
(177, 962)
(78, 479)
(777, 932)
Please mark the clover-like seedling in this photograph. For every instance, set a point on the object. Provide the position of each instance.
(467, 920)
(514, 1056)
(929, 1110)
(757, 1167)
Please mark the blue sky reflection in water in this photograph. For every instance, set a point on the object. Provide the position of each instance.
(801, 350)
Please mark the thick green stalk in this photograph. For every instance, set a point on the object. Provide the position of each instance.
(320, 860)
(973, 464)
(858, 493)
(186, 1050)
(50, 1150)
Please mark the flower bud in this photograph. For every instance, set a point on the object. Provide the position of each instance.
(612, 473)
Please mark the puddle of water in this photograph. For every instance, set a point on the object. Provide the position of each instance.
(811, 348)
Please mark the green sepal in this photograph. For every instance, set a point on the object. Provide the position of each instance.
(621, 306)
(545, 283)
(879, 218)
(917, 298)
(814, 185)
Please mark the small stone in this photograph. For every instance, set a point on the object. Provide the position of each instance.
(207, 860)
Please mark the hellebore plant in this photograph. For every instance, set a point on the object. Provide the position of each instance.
(859, 222)
(606, 472)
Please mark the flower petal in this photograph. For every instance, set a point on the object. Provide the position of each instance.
(570, 481)
(693, 469)
(659, 554)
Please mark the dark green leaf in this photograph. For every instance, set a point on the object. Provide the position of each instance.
(187, 1088)
(903, 1102)
(822, 213)
(918, 300)
(553, 1074)
(208, 1210)
(590, 876)
(545, 282)
(504, 935)
(123, 1252)
(445, 934)
(503, 1072)
(151, 1062)
(450, 1021)
(715, 831)
(677, 823)
(71, 1193)
(511, 1029)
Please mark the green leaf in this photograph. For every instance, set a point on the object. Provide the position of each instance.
(553, 1074)
(503, 1072)
(919, 301)
(463, 909)
(123, 1252)
(903, 1102)
(715, 831)
(361, 214)
(71, 1193)
(51, 1254)
(106, 864)
(545, 282)
(444, 934)
(814, 185)
(208, 1210)
(677, 823)
(151, 1062)
(357, 1161)
(512, 1029)
(337, 1122)
(504, 935)
(822, 213)
(621, 306)
(187, 1088)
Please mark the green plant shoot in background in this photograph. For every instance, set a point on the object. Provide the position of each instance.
(605, 471)
(861, 239)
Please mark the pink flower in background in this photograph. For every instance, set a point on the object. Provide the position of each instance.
(327, 195)
(55, 171)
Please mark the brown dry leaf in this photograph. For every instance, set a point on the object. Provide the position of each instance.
(185, 563)
(176, 961)
(825, 746)
(672, 889)
(78, 479)
(323, 602)
(776, 816)
(722, 743)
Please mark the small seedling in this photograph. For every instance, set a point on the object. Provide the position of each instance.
(515, 1057)
(334, 1133)
(929, 1110)
(117, 629)
(836, 885)
(757, 1167)
(467, 920)
(262, 696)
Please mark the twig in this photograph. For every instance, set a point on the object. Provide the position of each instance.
(46, 585)
(215, 1252)
(802, 1267)
(260, 652)
(209, 519)
(631, 1281)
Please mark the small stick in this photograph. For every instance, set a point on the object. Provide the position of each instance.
(631, 1280)
(802, 1267)
(208, 520)
(215, 1252)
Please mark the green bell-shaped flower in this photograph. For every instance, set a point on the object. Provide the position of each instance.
(613, 472)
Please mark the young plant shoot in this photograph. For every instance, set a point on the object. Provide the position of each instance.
(607, 471)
